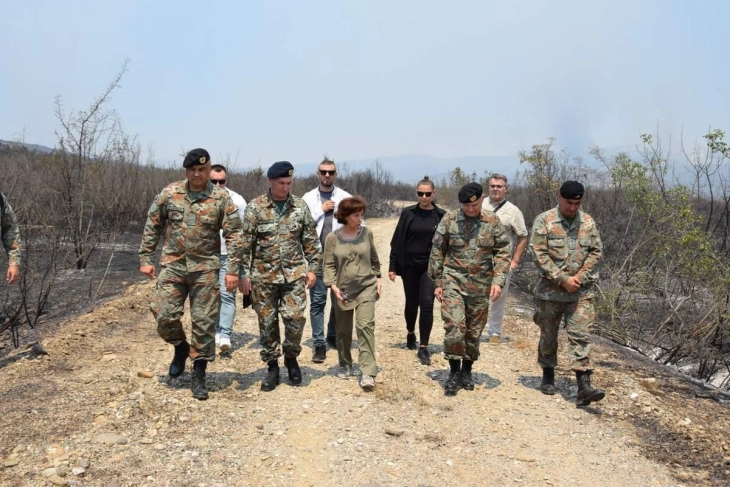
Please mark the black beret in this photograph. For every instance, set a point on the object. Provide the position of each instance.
(470, 192)
(196, 157)
(281, 169)
(572, 190)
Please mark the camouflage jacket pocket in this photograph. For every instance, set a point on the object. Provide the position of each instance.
(557, 248)
(584, 246)
(209, 219)
(175, 214)
(266, 234)
(485, 250)
(456, 242)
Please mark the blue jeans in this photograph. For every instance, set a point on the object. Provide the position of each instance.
(224, 320)
(318, 300)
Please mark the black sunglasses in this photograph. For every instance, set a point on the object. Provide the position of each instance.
(218, 181)
(324, 172)
(427, 194)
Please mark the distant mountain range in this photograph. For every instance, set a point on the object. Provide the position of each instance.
(38, 148)
(410, 168)
(407, 168)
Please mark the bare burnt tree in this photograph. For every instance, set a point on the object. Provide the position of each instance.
(87, 141)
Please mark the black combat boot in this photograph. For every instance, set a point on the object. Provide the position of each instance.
(295, 373)
(424, 355)
(177, 366)
(452, 384)
(198, 384)
(587, 394)
(272, 377)
(548, 381)
(465, 379)
(320, 354)
(411, 341)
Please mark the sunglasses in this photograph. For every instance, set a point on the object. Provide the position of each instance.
(218, 181)
(427, 194)
(327, 173)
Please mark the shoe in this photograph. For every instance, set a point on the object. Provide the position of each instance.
(320, 354)
(465, 379)
(177, 366)
(217, 339)
(295, 373)
(225, 343)
(547, 386)
(344, 372)
(272, 377)
(452, 383)
(367, 382)
(424, 356)
(411, 341)
(494, 340)
(586, 393)
(332, 342)
(200, 392)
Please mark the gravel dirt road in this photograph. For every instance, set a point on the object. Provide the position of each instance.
(88, 414)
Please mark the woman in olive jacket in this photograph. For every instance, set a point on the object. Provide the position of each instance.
(410, 249)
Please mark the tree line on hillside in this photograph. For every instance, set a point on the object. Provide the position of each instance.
(665, 283)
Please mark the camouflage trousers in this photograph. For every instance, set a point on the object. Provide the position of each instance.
(173, 287)
(289, 300)
(464, 320)
(578, 317)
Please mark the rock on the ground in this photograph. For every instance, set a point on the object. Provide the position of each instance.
(111, 439)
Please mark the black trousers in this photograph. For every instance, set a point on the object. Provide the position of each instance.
(419, 291)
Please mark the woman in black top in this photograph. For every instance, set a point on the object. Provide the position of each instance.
(410, 249)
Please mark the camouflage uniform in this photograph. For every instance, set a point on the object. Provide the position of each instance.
(466, 263)
(278, 251)
(562, 249)
(190, 260)
(10, 233)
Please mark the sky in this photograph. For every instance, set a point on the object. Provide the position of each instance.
(262, 81)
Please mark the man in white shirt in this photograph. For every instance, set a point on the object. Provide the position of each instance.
(514, 225)
(322, 202)
(227, 314)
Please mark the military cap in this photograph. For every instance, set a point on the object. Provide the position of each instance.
(572, 190)
(281, 169)
(470, 192)
(196, 157)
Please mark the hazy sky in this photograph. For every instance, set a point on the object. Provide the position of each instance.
(265, 81)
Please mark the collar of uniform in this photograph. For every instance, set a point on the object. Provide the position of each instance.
(271, 200)
(561, 218)
(460, 216)
(185, 185)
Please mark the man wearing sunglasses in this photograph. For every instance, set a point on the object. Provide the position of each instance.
(514, 225)
(227, 315)
(323, 202)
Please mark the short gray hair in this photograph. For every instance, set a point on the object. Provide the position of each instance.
(496, 175)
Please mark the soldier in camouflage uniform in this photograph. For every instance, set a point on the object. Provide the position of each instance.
(281, 256)
(470, 257)
(11, 239)
(567, 248)
(189, 215)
